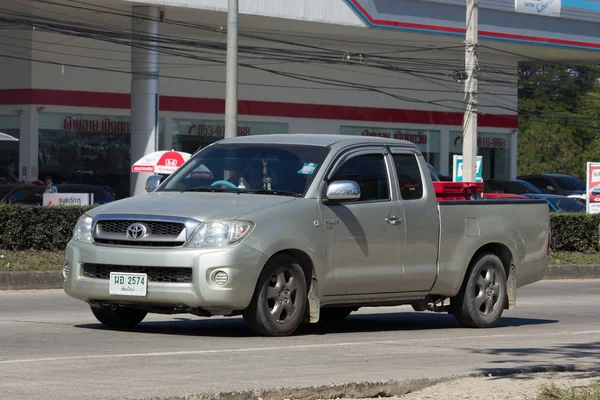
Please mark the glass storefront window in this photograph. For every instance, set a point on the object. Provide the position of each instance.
(87, 149)
(9, 150)
(494, 148)
(190, 135)
(428, 141)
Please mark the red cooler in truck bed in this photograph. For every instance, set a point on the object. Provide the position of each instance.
(458, 190)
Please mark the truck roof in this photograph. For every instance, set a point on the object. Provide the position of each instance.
(316, 139)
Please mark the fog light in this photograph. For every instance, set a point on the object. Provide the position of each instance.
(66, 270)
(221, 278)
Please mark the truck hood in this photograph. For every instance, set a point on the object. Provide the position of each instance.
(201, 206)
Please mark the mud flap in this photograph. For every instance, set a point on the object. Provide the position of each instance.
(511, 288)
(314, 305)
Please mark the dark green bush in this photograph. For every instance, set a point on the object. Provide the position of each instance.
(38, 228)
(50, 228)
(574, 232)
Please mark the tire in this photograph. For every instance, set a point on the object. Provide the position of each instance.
(482, 298)
(334, 314)
(279, 302)
(119, 317)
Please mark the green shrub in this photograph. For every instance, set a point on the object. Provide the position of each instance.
(574, 232)
(50, 228)
(38, 228)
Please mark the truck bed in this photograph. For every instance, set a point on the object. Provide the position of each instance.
(520, 227)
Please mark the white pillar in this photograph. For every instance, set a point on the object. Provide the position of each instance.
(144, 89)
(168, 133)
(444, 152)
(514, 154)
(29, 144)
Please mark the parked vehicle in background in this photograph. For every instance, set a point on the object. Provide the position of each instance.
(556, 203)
(555, 183)
(289, 228)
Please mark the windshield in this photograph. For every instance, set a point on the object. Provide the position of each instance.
(518, 187)
(251, 168)
(568, 182)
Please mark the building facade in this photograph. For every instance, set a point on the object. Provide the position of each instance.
(307, 68)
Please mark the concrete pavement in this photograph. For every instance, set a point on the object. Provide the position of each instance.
(53, 348)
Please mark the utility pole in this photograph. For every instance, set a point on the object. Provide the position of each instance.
(469, 143)
(231, 80)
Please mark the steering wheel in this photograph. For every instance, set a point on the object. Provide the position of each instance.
(224, 183)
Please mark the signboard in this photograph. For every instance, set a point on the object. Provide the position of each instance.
(457, 169)
(484, 140)
(592, 188)
(68, 199)
(216, 128)
(89, 123)
(427, 141)
(548, 8)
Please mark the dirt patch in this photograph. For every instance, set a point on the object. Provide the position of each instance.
(514, 387)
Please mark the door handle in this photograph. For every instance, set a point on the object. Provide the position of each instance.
(392, 220)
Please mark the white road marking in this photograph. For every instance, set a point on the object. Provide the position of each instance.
(287, 347)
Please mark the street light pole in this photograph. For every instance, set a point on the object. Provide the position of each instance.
(469, 143)
(231, 81)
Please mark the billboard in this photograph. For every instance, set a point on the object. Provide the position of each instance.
(457, 170)
(592, 188)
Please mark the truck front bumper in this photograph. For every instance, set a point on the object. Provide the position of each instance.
(87, 267)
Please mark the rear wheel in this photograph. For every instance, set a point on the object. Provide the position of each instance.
(279, 301)
(482, 298)
(118, 317)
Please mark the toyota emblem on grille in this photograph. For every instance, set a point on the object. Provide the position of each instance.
(136, 231)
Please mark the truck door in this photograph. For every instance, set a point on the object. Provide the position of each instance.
(421, 220)
(365, 237)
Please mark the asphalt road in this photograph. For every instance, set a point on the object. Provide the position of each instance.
(51, 347)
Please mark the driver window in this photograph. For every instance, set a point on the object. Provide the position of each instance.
(370, 172)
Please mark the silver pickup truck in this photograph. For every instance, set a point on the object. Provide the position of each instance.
(286, 229)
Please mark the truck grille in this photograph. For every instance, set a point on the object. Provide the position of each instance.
(154, 227)
(129, 243)
(155, 274)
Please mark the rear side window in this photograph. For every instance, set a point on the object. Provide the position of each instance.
(409, 176)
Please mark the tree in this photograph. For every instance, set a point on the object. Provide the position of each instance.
(558, 118)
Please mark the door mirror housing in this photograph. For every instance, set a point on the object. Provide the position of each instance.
(153, 182)
(343, 191)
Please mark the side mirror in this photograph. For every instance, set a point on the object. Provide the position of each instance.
(343, 190)
(153, 182)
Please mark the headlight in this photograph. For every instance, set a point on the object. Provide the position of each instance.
(220, 233)
(83, 229)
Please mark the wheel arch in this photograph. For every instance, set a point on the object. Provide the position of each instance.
(310, 274)
(506, 257)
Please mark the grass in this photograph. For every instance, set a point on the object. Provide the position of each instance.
(47, 261)
(567, 257)
(555, 392)
(31, 260)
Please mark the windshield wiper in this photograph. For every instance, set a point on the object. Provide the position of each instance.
(273, 192)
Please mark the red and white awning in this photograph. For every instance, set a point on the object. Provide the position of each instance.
(161, 162)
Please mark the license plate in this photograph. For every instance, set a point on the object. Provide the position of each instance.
(126, 284)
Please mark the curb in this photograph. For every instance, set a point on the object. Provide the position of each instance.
(371, 390)
(31, 280)
(569, 271)
(43, 280)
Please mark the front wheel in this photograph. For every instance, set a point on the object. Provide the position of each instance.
(482, 298)
(118, 317)
(279, 301)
